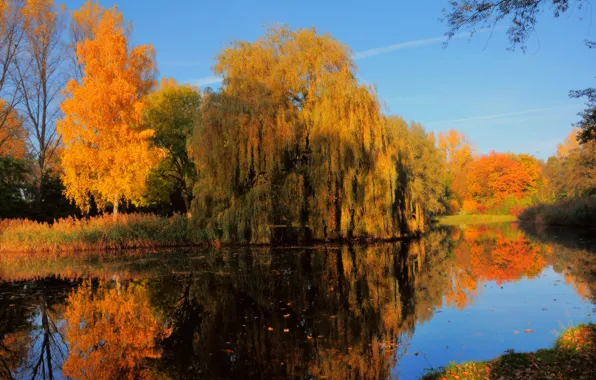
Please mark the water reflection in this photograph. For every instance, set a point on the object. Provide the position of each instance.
(334, 312)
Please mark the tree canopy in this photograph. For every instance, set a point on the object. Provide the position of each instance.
(107, 150)
(293, 140)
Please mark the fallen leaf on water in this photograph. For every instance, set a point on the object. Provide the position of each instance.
(528, 330)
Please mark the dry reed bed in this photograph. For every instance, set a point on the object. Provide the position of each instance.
(98, 233)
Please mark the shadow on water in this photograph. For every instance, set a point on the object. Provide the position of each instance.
(335, 312)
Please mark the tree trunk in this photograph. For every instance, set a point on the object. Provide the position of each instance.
(115, 211)
(38, 190)
(186, 198)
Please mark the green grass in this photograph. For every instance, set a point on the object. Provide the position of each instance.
(572, 357)
(456, 220)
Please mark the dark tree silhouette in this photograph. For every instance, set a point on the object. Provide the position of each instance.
(473, 15)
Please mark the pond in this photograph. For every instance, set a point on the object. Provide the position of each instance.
(390, 310)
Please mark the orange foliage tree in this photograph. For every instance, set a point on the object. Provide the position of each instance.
(107, 150)
(499, 175)
(13, 136)
(111, 332)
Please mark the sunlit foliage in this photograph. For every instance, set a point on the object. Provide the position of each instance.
(171, 112)
(503, 183)
(458, 154)
(572, 172)
(292, 140)
(107, 150)
(83, 26)
(13, 137)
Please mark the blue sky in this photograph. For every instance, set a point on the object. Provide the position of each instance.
(505, 101)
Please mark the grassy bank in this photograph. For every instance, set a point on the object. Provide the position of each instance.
(572, 357)
(574, 213)
(98, 233)
(456, 220)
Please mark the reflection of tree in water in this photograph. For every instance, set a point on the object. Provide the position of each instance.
(31, 345)
(111, 331)
(573, 253)
(335, 312)
(331, 312)
(491, 254)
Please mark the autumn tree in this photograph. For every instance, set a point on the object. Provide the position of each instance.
(107, 150)
(171, 112)
(457, 149)
(570, 143)
(573, 175)
(83, 25)
(39, 79)
(292, 141)
(418, 191)
(13, 137)
(495, 176)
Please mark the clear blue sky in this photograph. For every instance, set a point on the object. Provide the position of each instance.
(504, 101)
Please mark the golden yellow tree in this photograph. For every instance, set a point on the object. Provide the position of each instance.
(294, 142)
(107, 150)
(569, 144)
(83, 24)
(457, 150)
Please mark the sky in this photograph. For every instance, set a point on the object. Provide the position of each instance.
(504, 101)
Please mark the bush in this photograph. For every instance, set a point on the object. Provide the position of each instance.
(97, 233)
(577, 212)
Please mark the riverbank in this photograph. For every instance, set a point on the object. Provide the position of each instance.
(99, 233)
(132, 231)
(572, 213)
(572, 357)
(456, 220)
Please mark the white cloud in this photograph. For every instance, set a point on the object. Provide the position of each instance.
(206, 81)
(497, 116)
(410, 44)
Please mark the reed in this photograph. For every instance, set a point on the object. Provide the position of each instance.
(98, 233)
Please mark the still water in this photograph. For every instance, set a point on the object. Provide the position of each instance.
(382, 311)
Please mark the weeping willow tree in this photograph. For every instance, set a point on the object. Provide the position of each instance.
(292, 141)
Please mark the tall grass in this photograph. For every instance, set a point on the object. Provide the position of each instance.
(574, 213)
(97, 233)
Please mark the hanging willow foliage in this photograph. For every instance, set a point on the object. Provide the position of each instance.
(292, 141)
